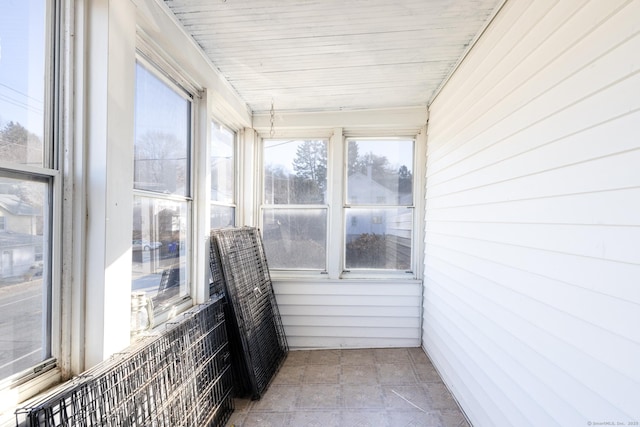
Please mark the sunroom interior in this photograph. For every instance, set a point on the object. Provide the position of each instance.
(458, 178)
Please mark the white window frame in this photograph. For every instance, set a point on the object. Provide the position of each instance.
(21, 386)
(236, 172)
(260, 180)
(174, 79)
(336, 207)
(362, 273)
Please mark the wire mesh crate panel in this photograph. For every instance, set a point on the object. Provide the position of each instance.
(216, 287)
(151, 384)
(219, 334)
(249, 292)
(210, 369)
(223, 411)
(217, 390)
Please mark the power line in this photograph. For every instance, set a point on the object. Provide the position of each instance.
(21, 93)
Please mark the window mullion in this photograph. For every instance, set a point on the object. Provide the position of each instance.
(336, 176)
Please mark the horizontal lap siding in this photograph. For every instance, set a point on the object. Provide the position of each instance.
(532, 261)
(350, 314)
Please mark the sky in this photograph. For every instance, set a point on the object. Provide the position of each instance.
(22, 59)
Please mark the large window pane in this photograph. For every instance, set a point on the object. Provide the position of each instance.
(22, 78)
(223, 181)
(295, 171)
(24, 317)
(378, 215)
(378, 238)
(380, 172)
(162, 136)
(222, 164)
(222, 216)
(159, 247)
(161, 223)
(295, 238)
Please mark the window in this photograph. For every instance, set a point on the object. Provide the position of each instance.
(26, 192)
(162, 196)
(294, 206)
(223, 157)
(379, 202)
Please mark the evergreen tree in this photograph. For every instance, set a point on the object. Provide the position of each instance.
(310, 165)
(405, 180)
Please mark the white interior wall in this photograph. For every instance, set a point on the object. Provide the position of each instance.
(109, 132)
(531, 296)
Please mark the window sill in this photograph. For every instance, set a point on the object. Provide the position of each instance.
(13, 397)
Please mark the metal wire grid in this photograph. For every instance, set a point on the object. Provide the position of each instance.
(241, 380)
(180, 378)
(256, 319)
(216, 287)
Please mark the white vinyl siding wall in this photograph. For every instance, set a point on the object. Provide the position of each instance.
(532, 257)
(350, 314)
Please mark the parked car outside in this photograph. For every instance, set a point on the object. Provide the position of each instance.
(139, 245)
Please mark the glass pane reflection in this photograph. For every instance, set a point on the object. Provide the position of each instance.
(159, 247)
(295, 238)
(23, 275)
(378, 238)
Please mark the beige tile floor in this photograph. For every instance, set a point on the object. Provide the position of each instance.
(369, 387)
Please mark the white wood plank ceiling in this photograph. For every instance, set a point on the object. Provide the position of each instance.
(318, 55)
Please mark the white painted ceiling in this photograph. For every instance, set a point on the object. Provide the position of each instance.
(331, 55)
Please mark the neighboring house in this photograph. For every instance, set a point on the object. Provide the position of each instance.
(364, 190)
(21, 255)
(18, 216)
(20, 238)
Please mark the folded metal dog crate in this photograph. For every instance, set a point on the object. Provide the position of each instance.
(178, 377)
(256, 335)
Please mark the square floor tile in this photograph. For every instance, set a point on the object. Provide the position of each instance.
(406, 397)
(324, 357)
(357, 357)
(318, 396)
(315, 419)
(278, 398)
(396, 374)
(321, 374)
(418, 355)
(453, 418)
(413, 419)
(241, 405)
(387, 387)
(426, 372)
(236, 419)
(296, 358)
(440, 396)
(289, 374)
(362, 396)
(391, 355)
(364, 374)
(264, 419)
(364, 418)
